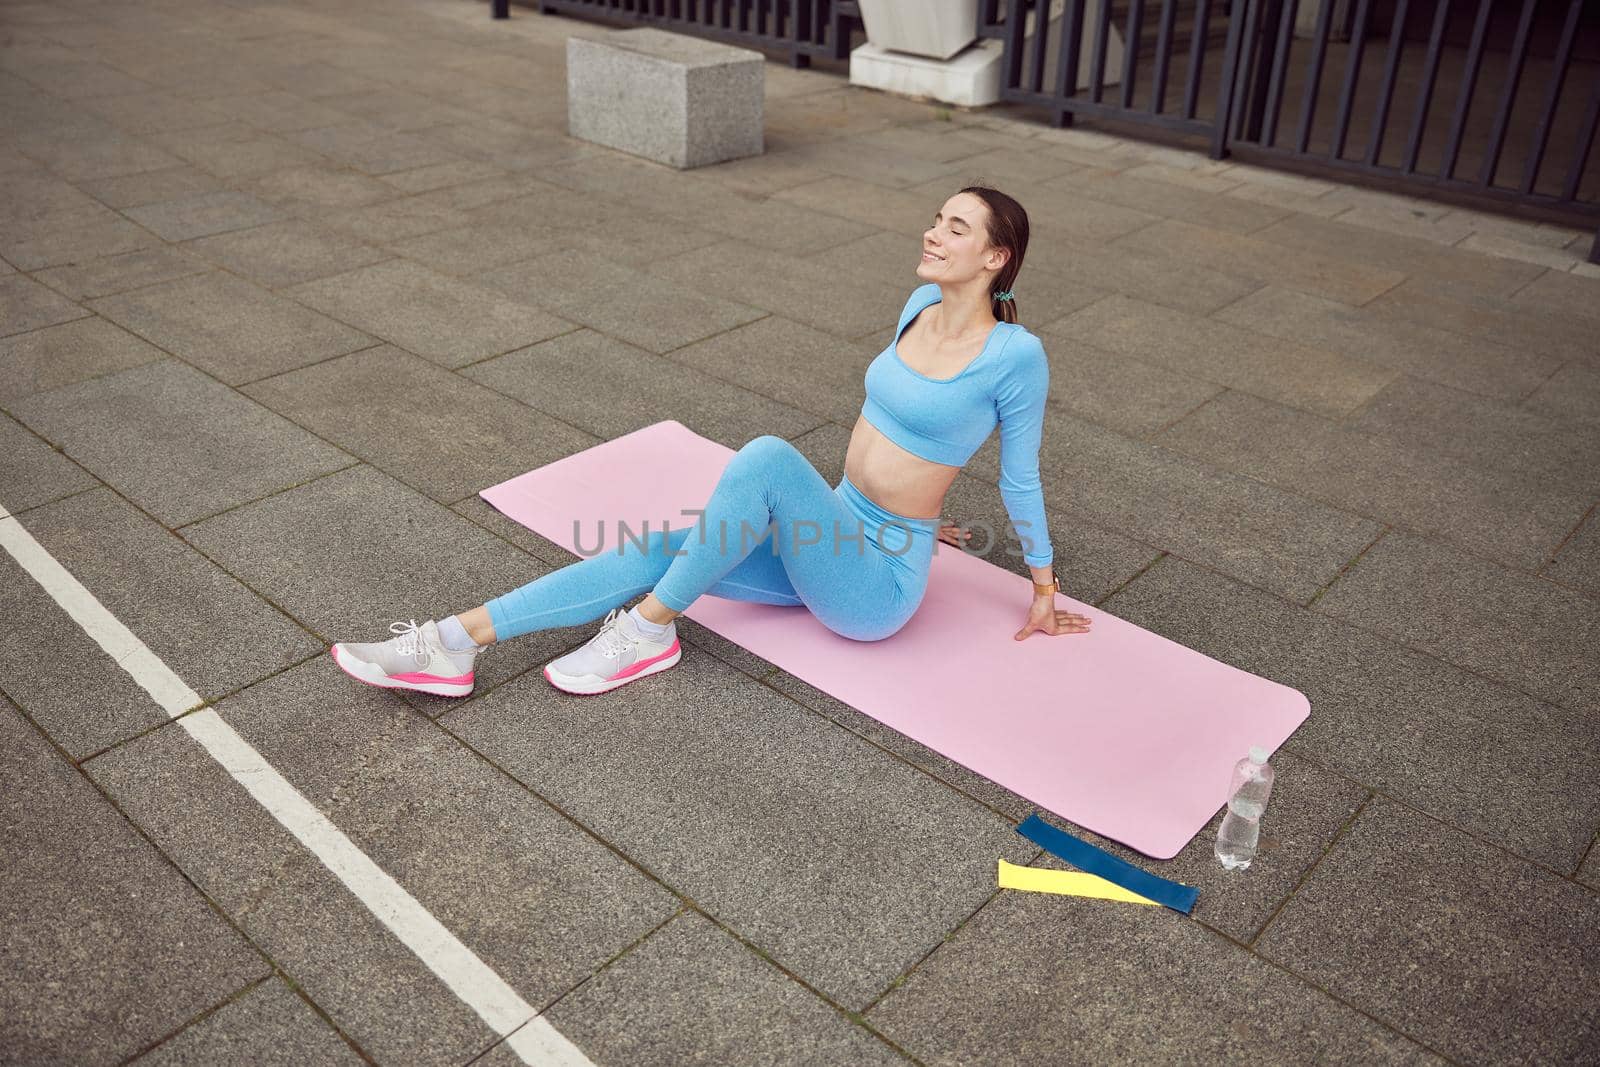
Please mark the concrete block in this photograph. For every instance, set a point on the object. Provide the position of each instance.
(675, 99)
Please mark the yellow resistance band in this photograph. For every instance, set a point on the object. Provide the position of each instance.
(1067, 883)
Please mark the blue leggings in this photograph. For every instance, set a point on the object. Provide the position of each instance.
(773, 532)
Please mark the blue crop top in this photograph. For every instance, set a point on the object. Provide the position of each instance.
(946, 420)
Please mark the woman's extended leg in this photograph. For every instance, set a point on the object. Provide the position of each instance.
(773, 532)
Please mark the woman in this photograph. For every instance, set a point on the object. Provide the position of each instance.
(856, 554)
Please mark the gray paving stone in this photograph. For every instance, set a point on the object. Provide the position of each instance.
(424, 426)
(1035, 977)
(1577, 563)
(864, 202)
(151, 112)
(344, 133)
(490, 518)
(1273, 254)
(347, 554)
(1540, 637)
(541, 219)
(1315, 379)
(609, 388)
(789, 362)
(396, 220)
(33, 248)
(1396, 720)
(1118, 391)
(1503, 323)
(175, 442)
(286, 253)
(1563, 295)
(800, 289)
(1589, 873)
(34, 195)
(764, 175)
(26, 305)
(1488, 433)
(858, 157)
(1479, 955)
(1517, 518)
(1258, 533)
(82, 152)
(692, 994)
(480, 191)
(233, 150)
(468, 249)
(444, 319)
(72, 352)
(544, 906)
(1022, 166)
(269, 1025)
(33, 473)
(107, 947)
(1573, 392)
(203, 214)
(1156, 278)
(878, 861)
(319, 188)
(278, 111)
(229, 328)
(1392, 719)
(181, 605)
(704, 206)
(1164, 198)
(1384, 253)
(442, 176)
(70, 77)
(1475, 364)
(509, 145)
(118, 273)
(655, 312)
(394, 152)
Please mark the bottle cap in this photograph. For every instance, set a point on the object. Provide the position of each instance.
(1258, 754)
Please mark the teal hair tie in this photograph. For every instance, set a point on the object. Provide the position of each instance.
(1004, 294)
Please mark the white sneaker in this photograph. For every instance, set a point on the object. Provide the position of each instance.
(615, 656)
(417, 659)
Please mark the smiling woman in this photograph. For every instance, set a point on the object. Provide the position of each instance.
(959, 365)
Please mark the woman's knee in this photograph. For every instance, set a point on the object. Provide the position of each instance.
(764, 450)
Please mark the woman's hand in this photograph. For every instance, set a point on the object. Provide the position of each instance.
(951, 534)
(1044, 618)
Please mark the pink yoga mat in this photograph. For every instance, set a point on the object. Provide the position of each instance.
(1119, 730)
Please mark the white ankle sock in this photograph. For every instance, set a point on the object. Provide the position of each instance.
(455, 636)
(646, 627)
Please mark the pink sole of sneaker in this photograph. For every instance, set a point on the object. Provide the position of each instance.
(588, 689)
(372, 675)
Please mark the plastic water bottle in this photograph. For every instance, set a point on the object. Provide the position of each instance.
(1247, 799)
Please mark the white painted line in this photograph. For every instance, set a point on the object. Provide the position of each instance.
(457, 966)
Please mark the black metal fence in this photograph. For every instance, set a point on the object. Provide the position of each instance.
(1483, 101)
(1489, 100)
(799, 28)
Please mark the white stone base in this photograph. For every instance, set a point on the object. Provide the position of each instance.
(970, 78)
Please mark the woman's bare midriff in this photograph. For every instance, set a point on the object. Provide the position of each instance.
(893, 478)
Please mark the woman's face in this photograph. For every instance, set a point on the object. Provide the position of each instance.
(955, 248)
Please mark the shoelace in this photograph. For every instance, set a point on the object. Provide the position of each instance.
(610, 642)
(410, 642)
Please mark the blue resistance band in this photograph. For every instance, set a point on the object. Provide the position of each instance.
(1087, 857)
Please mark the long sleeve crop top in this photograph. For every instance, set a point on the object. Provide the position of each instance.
(946, 420)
